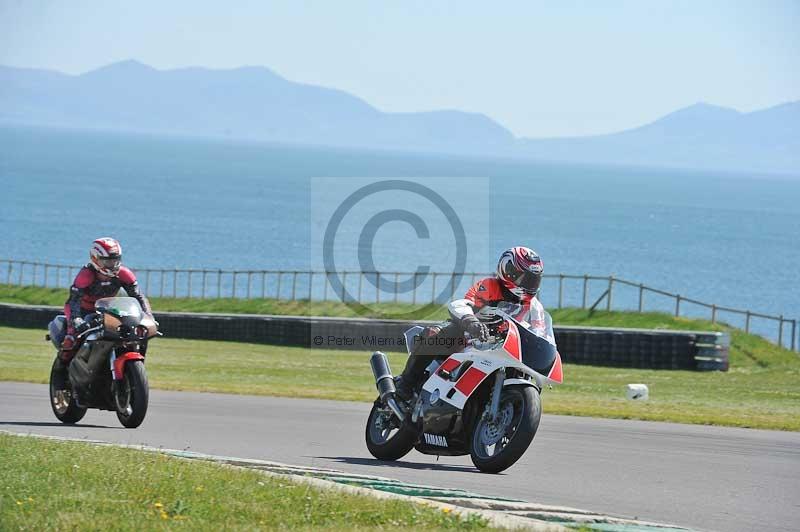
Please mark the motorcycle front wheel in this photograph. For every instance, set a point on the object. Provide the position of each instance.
(497, 445)
(387, 437)
(62, 400)
(132, 394)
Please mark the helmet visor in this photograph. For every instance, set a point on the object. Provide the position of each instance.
(110, 263)
(529, 281)
(525, 279)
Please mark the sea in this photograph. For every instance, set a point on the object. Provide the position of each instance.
(723, 238)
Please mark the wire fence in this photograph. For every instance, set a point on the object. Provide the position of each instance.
(583, 291)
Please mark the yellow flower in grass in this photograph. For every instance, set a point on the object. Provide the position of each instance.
(164, 515)
(447, 510)
(198, 489)
(158, 505)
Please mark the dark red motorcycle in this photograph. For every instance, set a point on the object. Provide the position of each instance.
(107, 372)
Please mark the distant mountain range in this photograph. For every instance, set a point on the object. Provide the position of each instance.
(255, 103)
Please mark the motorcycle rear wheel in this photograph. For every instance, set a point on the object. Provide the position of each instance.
(387, 438)
(497, 446)
(135, 394)
(62, 400)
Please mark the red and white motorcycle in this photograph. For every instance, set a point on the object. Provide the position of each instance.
(483, 401)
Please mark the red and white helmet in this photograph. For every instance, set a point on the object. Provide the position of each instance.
(106, 256)
(520, 270)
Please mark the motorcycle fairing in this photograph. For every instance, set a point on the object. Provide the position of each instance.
(442, 431)
(512, 344)
(410, 335)
(537, 351)
(556, 374)
(483, 363)
(535, 355)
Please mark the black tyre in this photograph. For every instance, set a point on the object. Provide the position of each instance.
(132, 395)
(387, 438)
(62, 400)
(497, 446)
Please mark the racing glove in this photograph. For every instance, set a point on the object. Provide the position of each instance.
(68, 344)
(77, 323)
(476, 329)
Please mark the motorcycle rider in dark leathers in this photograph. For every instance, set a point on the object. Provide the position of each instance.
(103, 276)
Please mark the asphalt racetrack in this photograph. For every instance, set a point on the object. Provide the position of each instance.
(707, 478)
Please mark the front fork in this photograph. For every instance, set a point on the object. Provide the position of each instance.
(497, 390)
(111, 359)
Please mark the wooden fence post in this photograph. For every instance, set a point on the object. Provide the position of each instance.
(560, 290)
(610, 291)
(677, 305)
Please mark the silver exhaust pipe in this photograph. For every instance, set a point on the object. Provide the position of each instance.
(384, 382)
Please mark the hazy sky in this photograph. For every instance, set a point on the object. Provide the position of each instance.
(540, 69)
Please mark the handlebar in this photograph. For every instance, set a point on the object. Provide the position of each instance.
(491, 340)
(87, 331)
(93, 322)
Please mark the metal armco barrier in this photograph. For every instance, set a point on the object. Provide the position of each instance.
(599, 346)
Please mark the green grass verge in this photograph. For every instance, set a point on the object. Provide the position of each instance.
(761, 390)
(50, 485)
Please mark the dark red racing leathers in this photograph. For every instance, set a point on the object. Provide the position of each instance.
(89, 286)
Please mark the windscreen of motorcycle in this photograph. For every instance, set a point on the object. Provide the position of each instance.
(538, 345)
(126, 309)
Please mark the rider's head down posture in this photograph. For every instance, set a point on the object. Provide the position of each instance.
(517, 280)
(102, 276)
